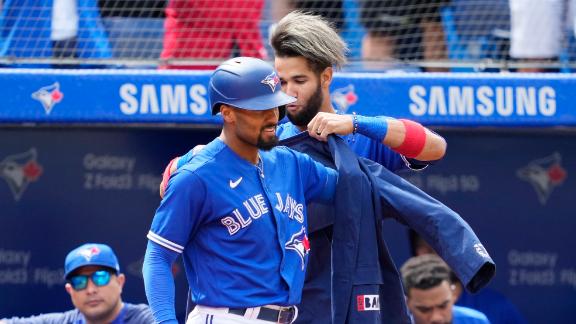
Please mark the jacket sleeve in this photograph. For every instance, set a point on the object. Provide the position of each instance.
(441, 227)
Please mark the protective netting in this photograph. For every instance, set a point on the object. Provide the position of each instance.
(198, 33)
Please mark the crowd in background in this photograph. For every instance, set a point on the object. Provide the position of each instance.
(429, 35)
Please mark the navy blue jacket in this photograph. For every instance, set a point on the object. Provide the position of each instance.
(349, 262)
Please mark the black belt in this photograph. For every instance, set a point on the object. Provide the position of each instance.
(284, 315)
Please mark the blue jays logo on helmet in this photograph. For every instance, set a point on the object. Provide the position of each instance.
(271, 80)
(299, 243)
(243, 82)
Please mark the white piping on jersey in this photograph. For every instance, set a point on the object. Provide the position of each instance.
(164, 242)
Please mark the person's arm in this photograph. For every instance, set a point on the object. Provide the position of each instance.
(406, 137)
(175, 222)
(159, 283)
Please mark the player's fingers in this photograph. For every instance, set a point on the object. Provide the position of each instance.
(324, 135)
(170, 168)
(316, 123)
(313, 125)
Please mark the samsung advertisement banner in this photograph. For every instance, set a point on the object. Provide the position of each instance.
(125, 96)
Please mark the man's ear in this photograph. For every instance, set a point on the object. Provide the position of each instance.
(326, 77)
(121, 279)
(68, 288)
(227, 113)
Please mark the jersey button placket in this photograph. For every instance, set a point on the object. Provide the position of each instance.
(278, 219)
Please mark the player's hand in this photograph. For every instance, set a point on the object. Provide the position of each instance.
(170, 168)
(324, 124)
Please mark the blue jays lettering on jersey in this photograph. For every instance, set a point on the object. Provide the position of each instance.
(242, 227)
(366, 286)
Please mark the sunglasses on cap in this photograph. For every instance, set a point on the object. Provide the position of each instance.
(99, 278)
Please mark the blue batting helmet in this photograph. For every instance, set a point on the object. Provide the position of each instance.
(247, 83)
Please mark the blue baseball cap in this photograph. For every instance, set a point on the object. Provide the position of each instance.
(91, 254)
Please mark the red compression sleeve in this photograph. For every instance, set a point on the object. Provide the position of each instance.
(414, 139)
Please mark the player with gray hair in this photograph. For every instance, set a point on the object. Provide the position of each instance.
(307, 49)
(300, 34)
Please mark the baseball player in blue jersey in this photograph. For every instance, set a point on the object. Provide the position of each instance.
(237, 213)
(307, 50)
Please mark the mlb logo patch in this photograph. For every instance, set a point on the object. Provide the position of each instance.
(368, 303)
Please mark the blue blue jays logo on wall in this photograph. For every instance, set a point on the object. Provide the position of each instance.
(49, 96)
(271, 80)
(544, 175)
(343, 98)
(19, 170)
(89, 252)
(299, 243)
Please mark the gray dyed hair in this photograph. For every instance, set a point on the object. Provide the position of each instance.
(314, 38)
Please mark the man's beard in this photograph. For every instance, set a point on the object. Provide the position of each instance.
(308, 112)
(266, 145)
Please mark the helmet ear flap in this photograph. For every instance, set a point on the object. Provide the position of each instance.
(216, 108)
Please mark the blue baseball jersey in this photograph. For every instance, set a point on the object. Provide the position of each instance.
(465, 315)
(241, 228)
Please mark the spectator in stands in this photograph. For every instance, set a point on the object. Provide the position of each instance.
(211, 30)
(493, 304)
(64, 28)
(403, 30)
(429, 293)
(132, 9)
(94, 282)
(537, 31)
(333, 11)
(76, 30)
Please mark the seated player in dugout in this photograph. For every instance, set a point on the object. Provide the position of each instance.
(307, 50)
(94, 283)
(430, 293)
